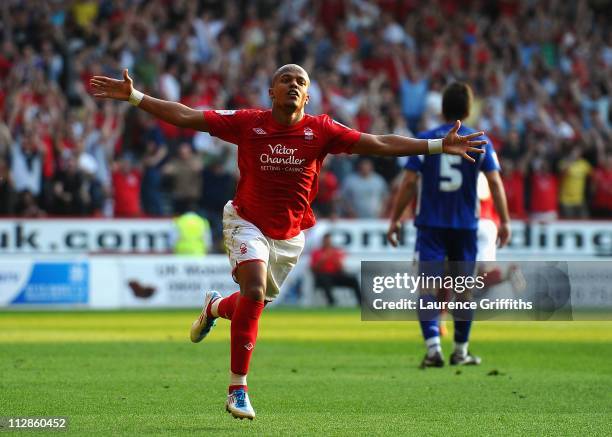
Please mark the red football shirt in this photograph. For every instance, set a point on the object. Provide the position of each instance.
(279, 165)
(327, 260)
(603, 191)
(329, 184)
(514, 184)
(126, 189)
(487, 210)
(544, 190)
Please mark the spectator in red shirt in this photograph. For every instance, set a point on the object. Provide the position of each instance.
(513, 177)
(544, 193)
(602, 188)
(327, 264)
(126, 188)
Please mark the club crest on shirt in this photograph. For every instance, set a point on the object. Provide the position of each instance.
(308, 134)
(225, 111)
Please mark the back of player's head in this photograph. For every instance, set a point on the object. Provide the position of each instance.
(456, 101)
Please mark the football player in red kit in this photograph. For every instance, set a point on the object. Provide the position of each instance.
(280, 152)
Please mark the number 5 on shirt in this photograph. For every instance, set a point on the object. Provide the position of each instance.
(451, 177)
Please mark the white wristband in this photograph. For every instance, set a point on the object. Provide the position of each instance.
(135, 97)
(434, 146)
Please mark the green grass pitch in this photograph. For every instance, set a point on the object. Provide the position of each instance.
(314, 373)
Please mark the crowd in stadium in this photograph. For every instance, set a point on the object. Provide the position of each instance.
(541, 73)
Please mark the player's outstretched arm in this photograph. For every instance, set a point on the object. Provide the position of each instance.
(170, 112)
(396, 145)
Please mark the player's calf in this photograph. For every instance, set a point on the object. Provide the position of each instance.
(224, 307)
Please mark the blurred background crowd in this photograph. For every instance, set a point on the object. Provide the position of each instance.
(541, 72)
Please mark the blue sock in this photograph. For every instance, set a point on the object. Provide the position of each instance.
(463, 324)
(428, 318)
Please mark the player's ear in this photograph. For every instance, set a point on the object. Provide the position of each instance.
(307, 98)
(271, 93)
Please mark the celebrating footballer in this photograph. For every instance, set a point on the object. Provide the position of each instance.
(280, 152)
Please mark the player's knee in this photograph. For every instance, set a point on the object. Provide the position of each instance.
(254, 291)
(252, 279)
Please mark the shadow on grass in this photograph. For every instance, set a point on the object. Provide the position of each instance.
(193, 429)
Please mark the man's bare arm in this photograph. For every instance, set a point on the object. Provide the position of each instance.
(397, 145)
(404, 197)
(501, 206)
(170, 112)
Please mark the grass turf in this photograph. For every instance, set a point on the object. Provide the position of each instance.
(314, 373)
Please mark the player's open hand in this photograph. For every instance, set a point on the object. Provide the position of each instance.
(108, 88)
(394, 230)
(455, 144)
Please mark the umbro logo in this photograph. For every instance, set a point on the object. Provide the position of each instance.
(259, 131)
(249, 346)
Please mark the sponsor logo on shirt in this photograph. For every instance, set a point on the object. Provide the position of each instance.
(282, 158)
(225, 111)
(280, 155)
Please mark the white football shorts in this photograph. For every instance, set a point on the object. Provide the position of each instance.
(487, 240)
(244, 242)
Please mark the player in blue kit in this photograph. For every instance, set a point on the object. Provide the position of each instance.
(447, 215)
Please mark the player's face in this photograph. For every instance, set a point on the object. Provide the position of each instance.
(290, 90)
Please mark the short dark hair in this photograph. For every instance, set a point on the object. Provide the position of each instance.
(288, 67)
(456, 101)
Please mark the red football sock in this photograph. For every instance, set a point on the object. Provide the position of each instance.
(226, 306)
(245, 321)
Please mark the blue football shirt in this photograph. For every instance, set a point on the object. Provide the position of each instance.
(447, 196)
